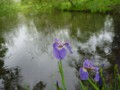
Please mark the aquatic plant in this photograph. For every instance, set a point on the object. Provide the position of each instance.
(100, 81)
(59, 50)
(88, 65)
(84, 75)
(87, 82)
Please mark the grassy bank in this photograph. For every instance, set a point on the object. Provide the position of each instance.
(102, 6)
(99, 6)
(8, 7)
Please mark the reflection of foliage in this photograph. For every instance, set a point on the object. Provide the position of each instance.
(2, 53)
(40, 86)
(116, 41)
(2, 48)
(12, 79)
(8, 22)
(52, 21)
(86, 24)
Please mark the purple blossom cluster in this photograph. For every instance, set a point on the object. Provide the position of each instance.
(88, 65)
(59, 50)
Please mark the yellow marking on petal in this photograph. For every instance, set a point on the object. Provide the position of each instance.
(60, 46)
(85, 70)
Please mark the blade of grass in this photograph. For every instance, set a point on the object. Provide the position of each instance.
(95, 87)
(82, 86)
(103, 80)
(58, 87)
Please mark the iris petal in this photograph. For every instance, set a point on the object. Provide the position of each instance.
(100, 83)
(62, 53)
(56, 53)
(83, 74)
(97, 77)
(56, 40)
(68, 47)
(55, 45)
(59, 53)
(88, 64)
(97, 69)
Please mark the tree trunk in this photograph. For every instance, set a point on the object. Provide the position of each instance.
(71, 2)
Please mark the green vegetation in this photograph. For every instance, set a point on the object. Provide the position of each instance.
(32, 6)
(91, 5)
(73, 5)
(62, 75)
(103, 6)
(8, 7)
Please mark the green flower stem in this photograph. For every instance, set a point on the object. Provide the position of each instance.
(95, 87)
(82, 86)
(62, 74)
(103, 80)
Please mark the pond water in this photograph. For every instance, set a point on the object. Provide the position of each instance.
(26, 52)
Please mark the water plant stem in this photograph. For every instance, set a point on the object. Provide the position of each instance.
(82, 86)
(62, 74)
(95, 87)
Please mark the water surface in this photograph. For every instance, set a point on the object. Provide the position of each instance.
(26, 56)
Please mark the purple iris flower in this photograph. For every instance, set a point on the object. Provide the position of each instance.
(88, 65)
(100, 83)
(83, 74)
(59, 49)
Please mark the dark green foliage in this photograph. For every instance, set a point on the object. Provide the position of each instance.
(8, 7)
(91, 5)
